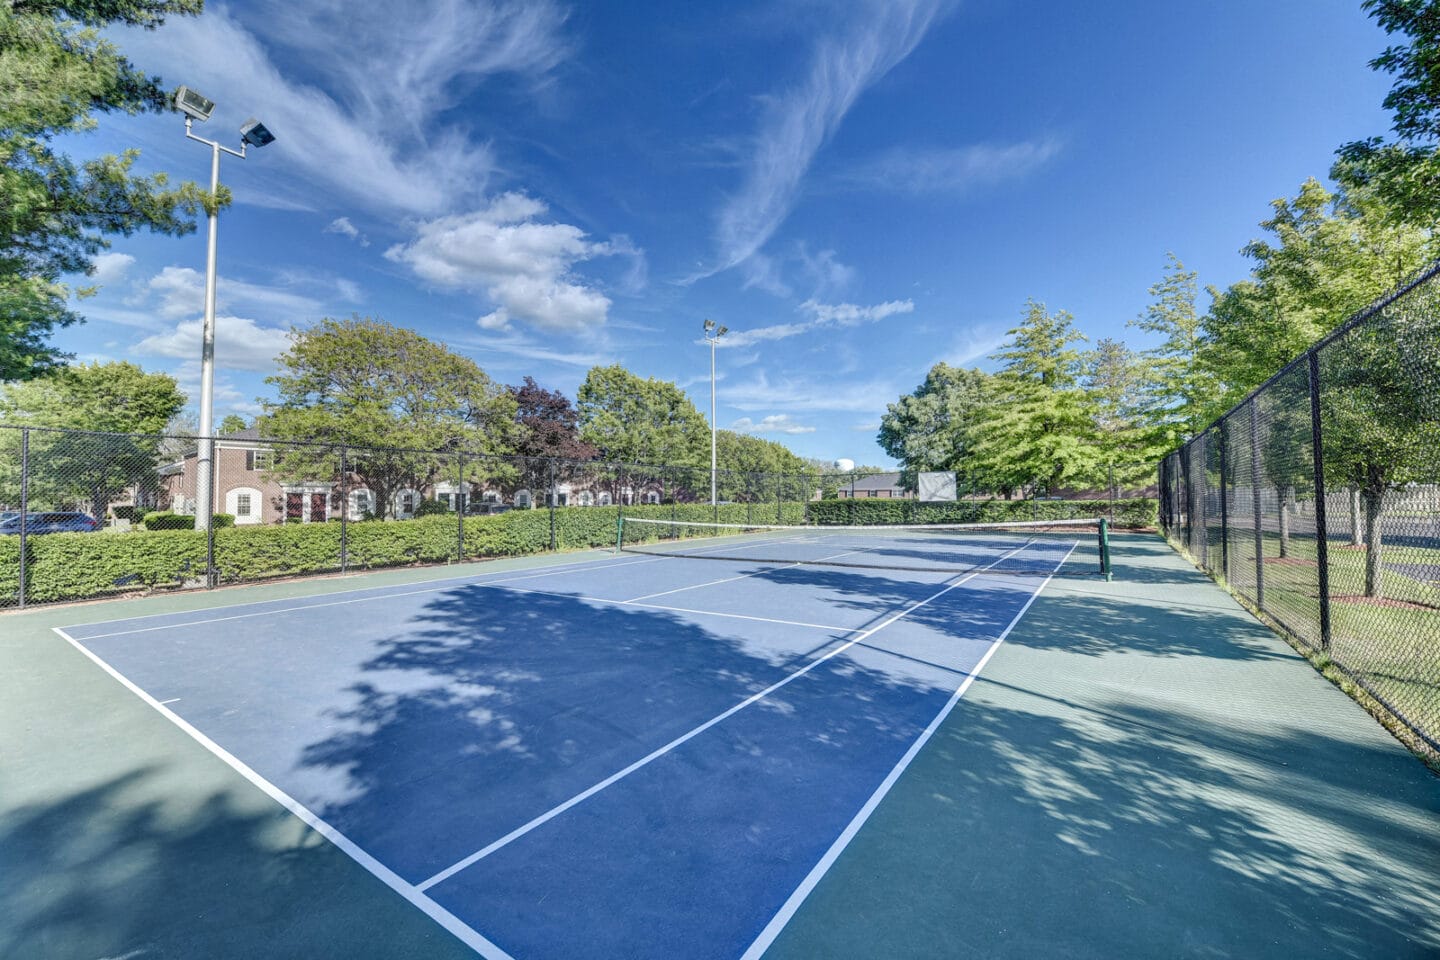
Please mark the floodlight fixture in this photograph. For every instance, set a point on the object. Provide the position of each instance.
(194, 104)
(255, 133)
(709, 325)
(722, 331)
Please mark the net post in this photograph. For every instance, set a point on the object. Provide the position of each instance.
(1105, 567)
(1322, 541)
(24, 509)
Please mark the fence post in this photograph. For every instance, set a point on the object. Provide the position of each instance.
(1322, 536)
(24, 509)
(1114, 491)
(1258, 506)
(460, 508)
(212, 482)
(344, 509)
(554, 495)
(1224, 438)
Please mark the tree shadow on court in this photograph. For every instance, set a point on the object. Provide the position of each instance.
(130, 868)
(1102, 619)
(493, 706)
(1035, 826)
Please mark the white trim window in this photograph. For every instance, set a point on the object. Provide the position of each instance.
(587, 499)
(653, 497)
(523, 500)
(244, 504)
(360, 504)
(604, 498)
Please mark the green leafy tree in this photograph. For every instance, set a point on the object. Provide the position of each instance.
(933, 428)
(108, 417)
(1328, 256)
(1403, 173)
(756, 470)
(630, 420)
(1040, 431)
(233, 423)
(1179, 387)
(1119, 384)
(389, 395)
(55, 212)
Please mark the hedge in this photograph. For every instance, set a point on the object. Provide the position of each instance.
(1138, 512)
(75, 566)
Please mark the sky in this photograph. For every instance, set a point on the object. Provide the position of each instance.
(857, 190)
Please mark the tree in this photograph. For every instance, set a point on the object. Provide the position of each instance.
(1040, 430)
(1332, 255)
(1119, 385)
(389, 395)
(107, 417)
(755, 470)
(55, 213)
(1404, 173)
(1179, 387)
(649, 421)
(549, 430)
(233, 423)
(933, 428)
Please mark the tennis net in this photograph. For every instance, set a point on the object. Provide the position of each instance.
(1043, 547)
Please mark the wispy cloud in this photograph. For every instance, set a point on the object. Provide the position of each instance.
(953, 171)
(515, 344)
(377, 131)
(869, 426)
(797, 123)
(761, 393)
(821, 315)
(974, 344)
(520, 262)
(775, 423)
(110, 267)
(180, 292)
(345, 228)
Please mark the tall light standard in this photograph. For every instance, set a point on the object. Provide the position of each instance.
(712, 337)
(252, 133)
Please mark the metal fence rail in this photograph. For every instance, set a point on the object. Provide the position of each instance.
(1317, 500)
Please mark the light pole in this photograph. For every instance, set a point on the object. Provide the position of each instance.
(252, 133)
(718, 332)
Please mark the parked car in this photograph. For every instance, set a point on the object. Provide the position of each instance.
(51, 522)
(485, 508)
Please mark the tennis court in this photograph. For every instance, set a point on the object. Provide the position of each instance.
(639, 754)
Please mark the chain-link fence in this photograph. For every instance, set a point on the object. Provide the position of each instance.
(283, 508)
(1317, 500)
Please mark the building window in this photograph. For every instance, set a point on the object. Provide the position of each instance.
(587, 499)
(604, 499)
(522, 500)
(257, 460)
(242, 505)
(653, 497)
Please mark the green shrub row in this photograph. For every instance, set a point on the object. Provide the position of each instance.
(184, 521)
(76, 566)
(1137, 512)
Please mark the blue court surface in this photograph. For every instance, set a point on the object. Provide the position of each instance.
(623, 756)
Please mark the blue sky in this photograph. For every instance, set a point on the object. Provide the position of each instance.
(857, 189)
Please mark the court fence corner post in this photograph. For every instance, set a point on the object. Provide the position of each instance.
(554, 497)
(1322, 526)
(459, 508)
(24, 511)
(344, 509)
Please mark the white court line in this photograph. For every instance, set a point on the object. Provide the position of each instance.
(812, 879)
(445, 584)
(463, 931)
(659, 606)
(555, 811)
(772, 566)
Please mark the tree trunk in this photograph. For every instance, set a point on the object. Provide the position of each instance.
(1373, 504)
(1357, 539)
(1287, 496)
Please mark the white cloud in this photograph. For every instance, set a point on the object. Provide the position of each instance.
(776, 423)
(869, 426)
(799, 122)
(522, 264)
(376, 132)
(180, 292)
(111, 267)
(514, 344)
(345, 228)
(822, 315)
(973, 345)
(240, 343)
(790, 393)
(957, 170)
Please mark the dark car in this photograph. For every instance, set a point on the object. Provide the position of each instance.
(52, 522)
